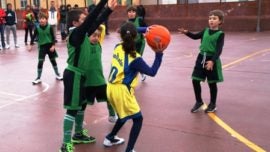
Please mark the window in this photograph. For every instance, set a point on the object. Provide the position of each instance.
(37, 2)
(169, 1)
(3, 4)
(23, 3)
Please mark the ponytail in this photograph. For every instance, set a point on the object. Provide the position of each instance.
(128, 34)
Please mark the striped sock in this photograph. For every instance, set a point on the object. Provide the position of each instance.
(68, 125)
(79, 121)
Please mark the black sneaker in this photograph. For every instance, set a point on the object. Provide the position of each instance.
(196, 107)
(83, 138)
(67, 147)
(210, 108)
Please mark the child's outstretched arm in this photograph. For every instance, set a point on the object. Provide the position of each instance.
(182, 30)
(90, 19)
(77, 36)
(140, 65)
(193, 36)
(141, 29)
(101, 18)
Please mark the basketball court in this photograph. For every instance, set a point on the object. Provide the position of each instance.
(31, 116)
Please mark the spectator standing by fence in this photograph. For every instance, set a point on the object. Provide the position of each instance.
(2, 25)
(11, 21)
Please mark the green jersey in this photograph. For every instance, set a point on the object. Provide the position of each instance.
(94, 74)
(209, 42)
(79, 57)
(44, 35)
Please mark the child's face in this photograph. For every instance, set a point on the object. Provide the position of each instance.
(131, 14)
(81, 20)
(9, 7)
(214, 22)
(43, 21)
(95, 37)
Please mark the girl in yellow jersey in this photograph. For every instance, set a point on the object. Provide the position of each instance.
(125, 66)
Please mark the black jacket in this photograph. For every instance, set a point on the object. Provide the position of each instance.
(10, 17)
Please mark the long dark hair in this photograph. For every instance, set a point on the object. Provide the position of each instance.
(128, 34)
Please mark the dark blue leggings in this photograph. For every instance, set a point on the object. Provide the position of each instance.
(134, 132)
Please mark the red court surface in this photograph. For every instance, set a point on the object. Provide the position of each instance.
(31, 116)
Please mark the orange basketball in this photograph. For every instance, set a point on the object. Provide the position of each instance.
(157, 34)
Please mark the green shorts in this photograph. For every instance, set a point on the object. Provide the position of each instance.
(96, 92)
(201, 74)
(44, 50)
(73, 89)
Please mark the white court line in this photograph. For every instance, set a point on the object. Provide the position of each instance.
(47, 86)
(11, 94)
(9, 98)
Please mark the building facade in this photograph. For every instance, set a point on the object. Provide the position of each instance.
(45, 4)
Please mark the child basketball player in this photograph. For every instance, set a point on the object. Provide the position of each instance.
(74, 75)
(95, 84)
(208, 64)
(138, 22)
(46, 45)
(126, 64)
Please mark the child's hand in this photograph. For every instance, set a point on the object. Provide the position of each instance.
(209, 65)
(112, 4)
(52, 49)
(182, 30)
(159, 46)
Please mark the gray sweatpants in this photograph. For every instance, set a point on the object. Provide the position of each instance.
(13, 29)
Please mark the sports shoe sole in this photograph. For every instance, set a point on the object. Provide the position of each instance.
(211, 111)
(82, 142)
(112, 144)
(198, 109)
(35, 83)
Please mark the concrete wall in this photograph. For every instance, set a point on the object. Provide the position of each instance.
(240, 16)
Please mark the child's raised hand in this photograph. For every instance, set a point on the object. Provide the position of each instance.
(159, 46)
(112, 4)
(182, 30)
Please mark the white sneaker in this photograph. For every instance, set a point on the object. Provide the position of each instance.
(115, 141)
(7, 46)
(132, 150)
(113, 119)
(58, 77)
(1, 48)
(37, 81)
(17, 46)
